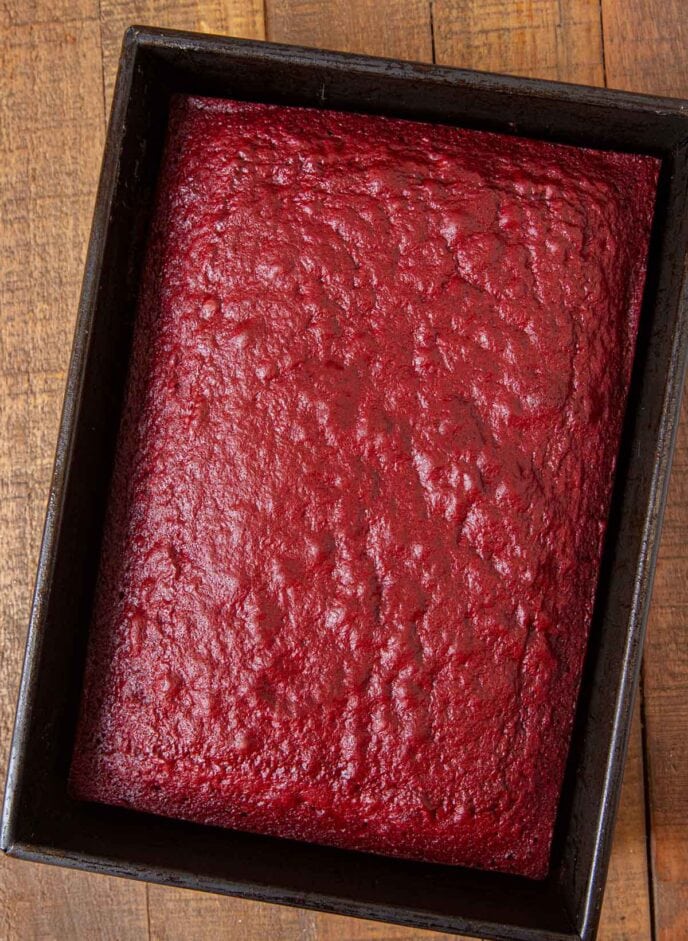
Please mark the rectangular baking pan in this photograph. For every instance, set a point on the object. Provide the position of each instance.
(40, 820)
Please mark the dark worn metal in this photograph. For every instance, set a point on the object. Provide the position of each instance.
(40, 820)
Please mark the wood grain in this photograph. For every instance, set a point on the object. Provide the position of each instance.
(51, 134)
(242, 18)
(376, 27)
(626, 909)
(555, 39)
(179, 915)
(646, 46)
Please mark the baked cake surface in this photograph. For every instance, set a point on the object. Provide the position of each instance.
(362, 481)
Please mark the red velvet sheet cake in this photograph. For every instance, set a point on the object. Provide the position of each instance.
(362, 481)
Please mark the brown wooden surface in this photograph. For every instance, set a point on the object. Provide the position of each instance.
(57, 64)
(646, 50)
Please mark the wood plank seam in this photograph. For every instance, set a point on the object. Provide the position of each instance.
(604, 54)
(106, 110)
(647, 808)
(641, 689)
(148, 913)
(431, 10)
(266, 25)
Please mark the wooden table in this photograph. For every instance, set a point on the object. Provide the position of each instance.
(58, 65)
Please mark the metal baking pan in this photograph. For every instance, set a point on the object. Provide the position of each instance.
(40, 820)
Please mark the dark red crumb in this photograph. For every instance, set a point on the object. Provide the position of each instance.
(362, 481)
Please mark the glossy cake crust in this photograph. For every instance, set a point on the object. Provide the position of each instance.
(362, 481)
